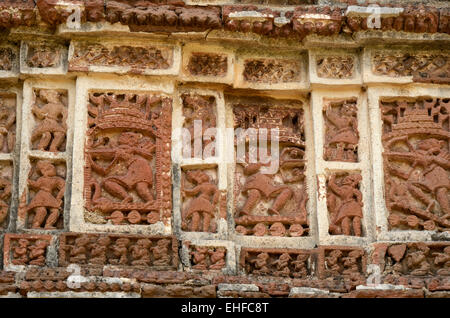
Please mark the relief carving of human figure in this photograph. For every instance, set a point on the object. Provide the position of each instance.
(346, 137)
(435, 160)
(44, 198)
(51, 130)
(139, 174)
(347, 214)
(259, 185)
(204, 204)
(7, 121)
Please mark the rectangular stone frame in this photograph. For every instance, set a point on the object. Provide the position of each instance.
(305, 242)
(26, 153)
(219, 162)
(325, 168)
(381, 213)
(86, 84)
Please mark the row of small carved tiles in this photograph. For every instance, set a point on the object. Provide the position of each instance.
(213, 63)
(161, 253)
(175, 17)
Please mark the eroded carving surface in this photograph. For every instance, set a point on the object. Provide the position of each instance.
(7, 57)
(335, 66)
(417, 162)
(27, 249)
(208, 64)
(272, 71)
(208, 257)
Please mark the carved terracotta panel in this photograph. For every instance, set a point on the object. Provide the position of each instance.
(278, 262)
(7, 58)
(42, 204)
(341, 261)
(272, 204)
(272, 71)
(341, 130)
(6, 184)
(200, 207)
(417, 162)
(127, 172)
(138, 58)
(335, 66)
(25, 249)
(208, 64)
(203, 109)
(344, 203)
(156, 252)
(40, 55)
(207, 257)
(7, 122)
(434, 68)
(50, 111)
(416, 259)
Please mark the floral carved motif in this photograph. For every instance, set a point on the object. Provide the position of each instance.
(127, 172)
(417, 162)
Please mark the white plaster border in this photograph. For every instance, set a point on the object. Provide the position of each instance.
(326, 168)
(26, 153)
